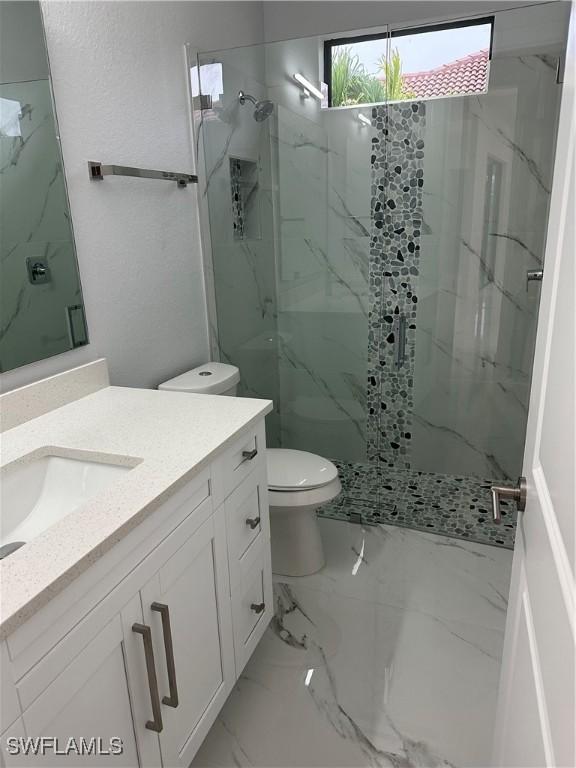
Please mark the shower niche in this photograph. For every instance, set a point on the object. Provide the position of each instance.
(244, 193)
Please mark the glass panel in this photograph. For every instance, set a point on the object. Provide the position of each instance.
(467, 184)
(379, 294)
(237, 154)
(487, 177)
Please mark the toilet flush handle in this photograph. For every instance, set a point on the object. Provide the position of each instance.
(253, 522)
(249, 455)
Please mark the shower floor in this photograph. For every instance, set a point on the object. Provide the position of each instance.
(390, 656)
(450, 505)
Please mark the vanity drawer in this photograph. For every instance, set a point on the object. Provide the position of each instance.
(251, 601)
(247, 517)
(244, 455)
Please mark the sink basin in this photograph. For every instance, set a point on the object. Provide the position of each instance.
(36, 494)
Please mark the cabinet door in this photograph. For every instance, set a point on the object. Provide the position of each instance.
(187, 604)
(90, 701)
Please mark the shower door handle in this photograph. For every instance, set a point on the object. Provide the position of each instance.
(516, 493)
(534, 276)
(399, 331)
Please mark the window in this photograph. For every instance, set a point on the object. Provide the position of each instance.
(423, 63)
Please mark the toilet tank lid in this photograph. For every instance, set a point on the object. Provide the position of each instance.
(297, 470)
(207, 379)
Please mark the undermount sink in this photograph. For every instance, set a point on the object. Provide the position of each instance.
(36, 494)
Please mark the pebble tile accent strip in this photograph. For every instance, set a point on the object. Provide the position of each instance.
(397, 162)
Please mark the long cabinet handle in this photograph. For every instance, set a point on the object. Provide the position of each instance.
(145, 631)
(164, 611)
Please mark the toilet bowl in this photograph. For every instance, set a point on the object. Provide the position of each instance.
(298, 482)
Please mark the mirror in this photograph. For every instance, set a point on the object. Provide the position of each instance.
(41, 307)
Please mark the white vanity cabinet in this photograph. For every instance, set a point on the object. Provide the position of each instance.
(150, 658)
(187, 606)
(91, 696)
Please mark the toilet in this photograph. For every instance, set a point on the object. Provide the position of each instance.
(298, 481)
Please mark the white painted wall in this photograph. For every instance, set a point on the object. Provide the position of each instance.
(121, 97)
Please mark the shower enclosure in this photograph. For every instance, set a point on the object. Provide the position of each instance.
(369, 270)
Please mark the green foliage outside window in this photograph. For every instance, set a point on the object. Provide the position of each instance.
(352, 84)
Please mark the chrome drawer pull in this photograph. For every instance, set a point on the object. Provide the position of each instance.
(253, 522)
(249, 455)
(156, 723)
(257, 607)
(164, 611)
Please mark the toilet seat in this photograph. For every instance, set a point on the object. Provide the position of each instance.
(299, 479)
(298, 471)
(312, 498)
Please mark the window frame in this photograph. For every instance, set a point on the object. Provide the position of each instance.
(352, 39)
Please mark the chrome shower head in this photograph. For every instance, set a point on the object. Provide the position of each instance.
(262, 109)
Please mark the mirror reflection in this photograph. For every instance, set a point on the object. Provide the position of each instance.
(41, 308)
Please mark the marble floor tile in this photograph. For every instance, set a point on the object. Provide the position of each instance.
(445, 577)
(389, 657)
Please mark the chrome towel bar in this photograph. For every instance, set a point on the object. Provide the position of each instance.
(97, 171)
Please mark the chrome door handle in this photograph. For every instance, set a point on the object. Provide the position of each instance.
(516, 493)
(249, 455)
(253, 522)
(257, 607)
(164, 611)
(145, 631)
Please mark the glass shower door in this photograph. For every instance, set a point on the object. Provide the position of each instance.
(469, 192)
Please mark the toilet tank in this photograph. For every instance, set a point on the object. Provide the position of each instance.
(208, 379)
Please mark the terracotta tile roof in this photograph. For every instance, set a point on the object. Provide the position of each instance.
(466, 75)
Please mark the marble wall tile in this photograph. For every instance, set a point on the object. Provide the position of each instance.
(322, 409)
(476, 318)
(322, 279)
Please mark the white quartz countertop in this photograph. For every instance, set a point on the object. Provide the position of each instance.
(171, 435)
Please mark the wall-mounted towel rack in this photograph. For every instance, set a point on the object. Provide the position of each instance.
(97, 171)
